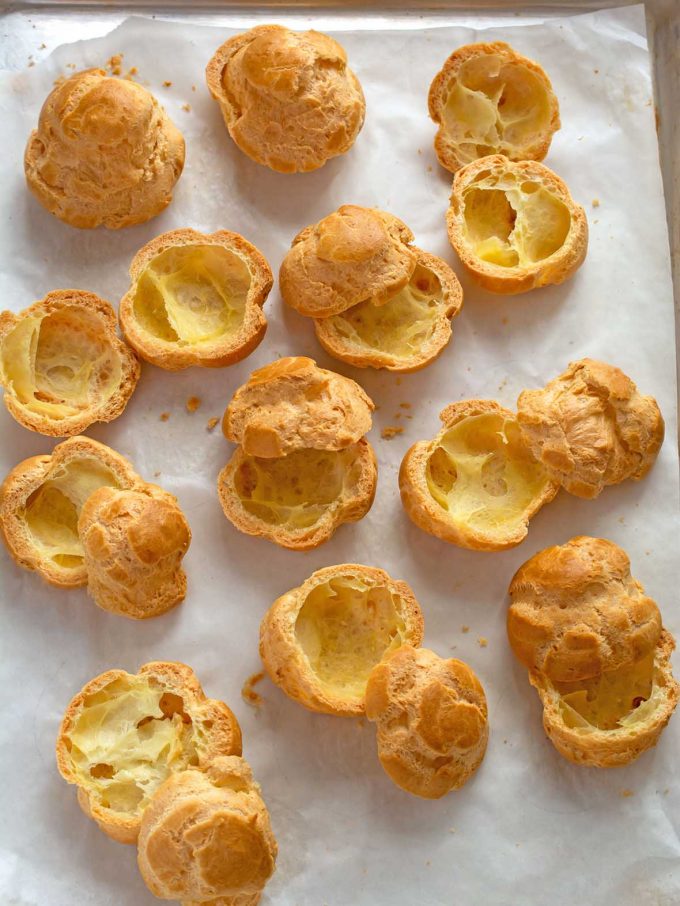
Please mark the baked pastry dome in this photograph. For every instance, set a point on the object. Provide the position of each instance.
(319, 642)
(515, 226)
(124, 734)
(595, 649)
(133, 543)
(475, 484)
(104, 153)
(196, 299)
(431, 718)
(590, 427)
(207, 834)
(302, 466)
(42, 498)
(62, 364)
(288, 98)
(488, 99)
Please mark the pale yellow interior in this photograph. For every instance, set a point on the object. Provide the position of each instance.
(128, 738)
(397, 330)
(193, 294)
(295, 491)
(60, 364)
(481, 473)
(345, 627)
(615, 699)
(51, 512)
(513, 223)
(495, 107)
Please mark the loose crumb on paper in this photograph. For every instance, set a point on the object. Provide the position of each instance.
(464, 628)
(193, 403)
(164, 416)
(156, 474)
(626, 794)
(167, 84)
(391, 431)
(212, 423)
(193, 88)
(248, 693)
(186, 108)
(482, 642)
(596, 202)
(404, 405)
(114, 64)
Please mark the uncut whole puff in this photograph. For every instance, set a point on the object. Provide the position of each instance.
(289, 100)
(104, 153)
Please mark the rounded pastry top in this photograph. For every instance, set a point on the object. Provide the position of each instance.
(206, 834)
(431, 718)
(196, 299)
(292, 405)
(104, 153)
(320, 641)
(288, 98)
(576, 611)
(62, 364)
(590, 427)
(352, 255)
(488, 99)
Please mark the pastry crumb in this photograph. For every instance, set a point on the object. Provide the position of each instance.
(398, 382)
(193, 88)
(31, 63)
(596, 71)
(391, 431)
(626, 794)
(404, 405)
(452, 830)
(482, 642)
(212, 423)
(164, 416)
(114, 63)
(193, 403)
(429, 168)
(167, 84)
(248, 693)
(42, 46)
(156, 474)
(596, 202)
(132, 71)
(464, 628)
(186, 108)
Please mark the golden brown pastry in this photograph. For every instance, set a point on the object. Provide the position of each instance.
(595, 649)
(207, 834)
(42, 498)
(133, 543)
(515, 226)
(319, 642)
(488, 99)
(104, 153)
(196, 299)
(475, 484)
(124, 734)
(431, 719)
(590, 427)
(288, 98)
(302, 467)
(62, 364)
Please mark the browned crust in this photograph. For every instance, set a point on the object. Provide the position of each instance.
(495, 278)
(452, 300)
(219, 353)
(440, 88)
(286, 663)
(220, 727)
(74, 299)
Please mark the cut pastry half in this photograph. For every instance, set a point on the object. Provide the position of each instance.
(196, 299)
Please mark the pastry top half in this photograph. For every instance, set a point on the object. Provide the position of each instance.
(289, 99)
(42, 498)
(104, 153)
(196, 299)
(206, 834)
(133, 543)
(124, 734)
(475, 484)
(590, 427)
(431, 718)
(292, 404)
(489, 99)
(514, 225)
(62, 364)
(320, 641)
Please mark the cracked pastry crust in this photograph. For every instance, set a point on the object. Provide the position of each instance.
(475, 484)
(207, 835)
(104, 153)
(196, 299)
(42, 498)
(289, 100)
(320, 641)
(124, 734)
(62, 364)
(514, 226)
(590, 427)
(488, 99)
(133, 543)
(595, 649)
(431, 719)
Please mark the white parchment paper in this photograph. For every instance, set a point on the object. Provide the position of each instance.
(530, 828)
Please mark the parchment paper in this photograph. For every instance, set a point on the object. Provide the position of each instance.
(530, 828)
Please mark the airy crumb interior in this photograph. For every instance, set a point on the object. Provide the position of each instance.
(495, 107)
(345, 627)
(194, 294)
